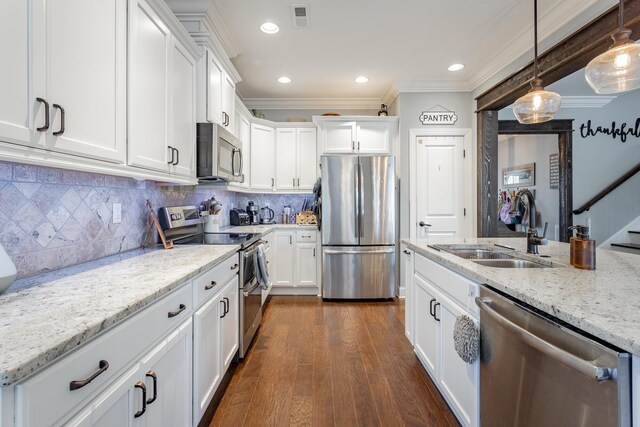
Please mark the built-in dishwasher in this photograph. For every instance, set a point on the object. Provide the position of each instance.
(537, 371)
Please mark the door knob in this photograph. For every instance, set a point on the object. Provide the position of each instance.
(424, 224)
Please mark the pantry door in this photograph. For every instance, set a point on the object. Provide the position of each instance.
(439, 178)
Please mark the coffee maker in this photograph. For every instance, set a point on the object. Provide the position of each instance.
(253, 211)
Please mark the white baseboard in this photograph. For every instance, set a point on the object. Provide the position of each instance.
(402, 292)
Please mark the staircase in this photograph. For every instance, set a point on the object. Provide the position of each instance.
(632, 245)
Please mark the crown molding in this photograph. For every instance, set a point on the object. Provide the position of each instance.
(313, 103)
(391, 94)
(593, 101)
(556, 24)
(222, 31)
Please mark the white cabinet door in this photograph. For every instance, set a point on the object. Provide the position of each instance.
(306, 264)
(230, 323)
(285, 253)
(228, 102)
(458, 380)
(116, 406)
(86, 77)
(23, 80)
(307, 158)
(409, 292)
(262, 176)
(183, 110)
(166, 372)
(426, 326)
(214, 90)
(339, 137)
(149, 53)
(207, 363)
(244, 133)
(286, 168)
(373, 137)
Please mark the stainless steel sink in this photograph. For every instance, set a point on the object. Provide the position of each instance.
(509, 263)
(480, 254)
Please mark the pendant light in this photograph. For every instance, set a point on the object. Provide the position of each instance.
(538, 105)
(618, 69)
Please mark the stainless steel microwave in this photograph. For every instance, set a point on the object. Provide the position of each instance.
(219, 154)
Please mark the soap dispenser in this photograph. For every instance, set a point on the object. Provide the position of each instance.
(583, 249)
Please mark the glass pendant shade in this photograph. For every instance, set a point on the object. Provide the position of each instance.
(618, 69)
(537, 106)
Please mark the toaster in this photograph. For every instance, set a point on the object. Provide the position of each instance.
(239, 217)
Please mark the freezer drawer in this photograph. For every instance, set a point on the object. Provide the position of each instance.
(353, 272)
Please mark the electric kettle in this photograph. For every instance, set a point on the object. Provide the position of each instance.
(266, 215)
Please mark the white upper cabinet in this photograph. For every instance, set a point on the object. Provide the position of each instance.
(296, 159)
(262, 157)
(286, 159)
(77, 83)
(244, 133)
(359, 135)
(162, 67)
(214, 89)
(183, 110)
(228, 103)
(217, 98)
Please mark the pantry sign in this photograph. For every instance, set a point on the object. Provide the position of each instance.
(438, 115)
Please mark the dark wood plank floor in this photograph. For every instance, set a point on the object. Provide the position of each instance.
(318, 363)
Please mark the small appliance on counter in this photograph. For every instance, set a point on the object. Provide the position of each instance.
(254, 213)
(238, 217)
(267, 215)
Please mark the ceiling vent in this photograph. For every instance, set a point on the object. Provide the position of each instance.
(300, 15)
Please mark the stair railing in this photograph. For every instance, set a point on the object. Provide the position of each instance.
(601, 195)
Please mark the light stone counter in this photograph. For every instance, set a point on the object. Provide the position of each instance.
(604, 302)
(266, 228)
(43, 317)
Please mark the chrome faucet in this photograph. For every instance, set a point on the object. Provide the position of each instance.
(533, 240)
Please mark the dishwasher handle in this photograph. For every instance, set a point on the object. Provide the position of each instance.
(582, 366)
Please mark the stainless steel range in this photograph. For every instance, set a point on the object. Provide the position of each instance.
(183, 225)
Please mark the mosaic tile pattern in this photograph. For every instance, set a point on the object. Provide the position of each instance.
(52, 218)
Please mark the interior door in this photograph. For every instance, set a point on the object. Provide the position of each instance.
(377, 219)
(340, 200)
(440, 186)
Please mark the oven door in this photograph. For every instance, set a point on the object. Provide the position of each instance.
(250, 302)
(229, 158)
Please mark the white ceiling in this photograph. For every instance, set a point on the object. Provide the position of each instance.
(399, 45)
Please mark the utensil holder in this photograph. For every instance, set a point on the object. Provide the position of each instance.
(212, 225)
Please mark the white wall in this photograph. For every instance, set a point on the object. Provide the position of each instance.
(600, 160)
(409, 106)
(515, 150)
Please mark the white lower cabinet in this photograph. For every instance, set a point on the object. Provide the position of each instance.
(296, 261)
(409, 292)
(437, 299)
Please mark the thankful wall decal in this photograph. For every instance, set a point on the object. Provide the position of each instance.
(615, 131)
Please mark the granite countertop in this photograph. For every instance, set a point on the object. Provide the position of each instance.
(266, 228)
(43, 317)
(604, 302)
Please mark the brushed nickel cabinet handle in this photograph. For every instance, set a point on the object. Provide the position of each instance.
(61, 131)
(142, 387)
(102, 367)
(46, 115)
(180, 309)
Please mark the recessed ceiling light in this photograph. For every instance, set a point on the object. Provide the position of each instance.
(269, 28)
(284, 79)
(361, 79)
(456, 67)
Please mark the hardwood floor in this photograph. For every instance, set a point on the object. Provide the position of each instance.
(317, 363)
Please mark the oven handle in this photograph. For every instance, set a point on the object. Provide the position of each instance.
(251, 251)
(585, 367)
(253, 288)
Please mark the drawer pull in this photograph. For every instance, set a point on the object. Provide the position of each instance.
(180, 309)
(234, 266)
(435, 306)
(103, 366)
(209, 287)
(142, 387)
(155, 387)
(226, 305)
(224, 309)
(431, 307)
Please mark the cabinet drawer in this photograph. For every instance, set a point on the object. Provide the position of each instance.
(448, 282)
(303, 236)
(210, 282)
(46, 398)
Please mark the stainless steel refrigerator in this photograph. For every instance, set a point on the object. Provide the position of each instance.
(358, 227)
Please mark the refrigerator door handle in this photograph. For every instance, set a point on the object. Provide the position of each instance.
(360, 201)
(389, 250)
(356, 205)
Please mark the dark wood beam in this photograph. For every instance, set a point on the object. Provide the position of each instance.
(513, 127)
(487, 174)
(565, 184)
(565, 58)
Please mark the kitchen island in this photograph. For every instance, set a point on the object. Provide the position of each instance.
(442, 286)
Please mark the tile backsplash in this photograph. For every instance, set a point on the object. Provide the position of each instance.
(52, 218)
